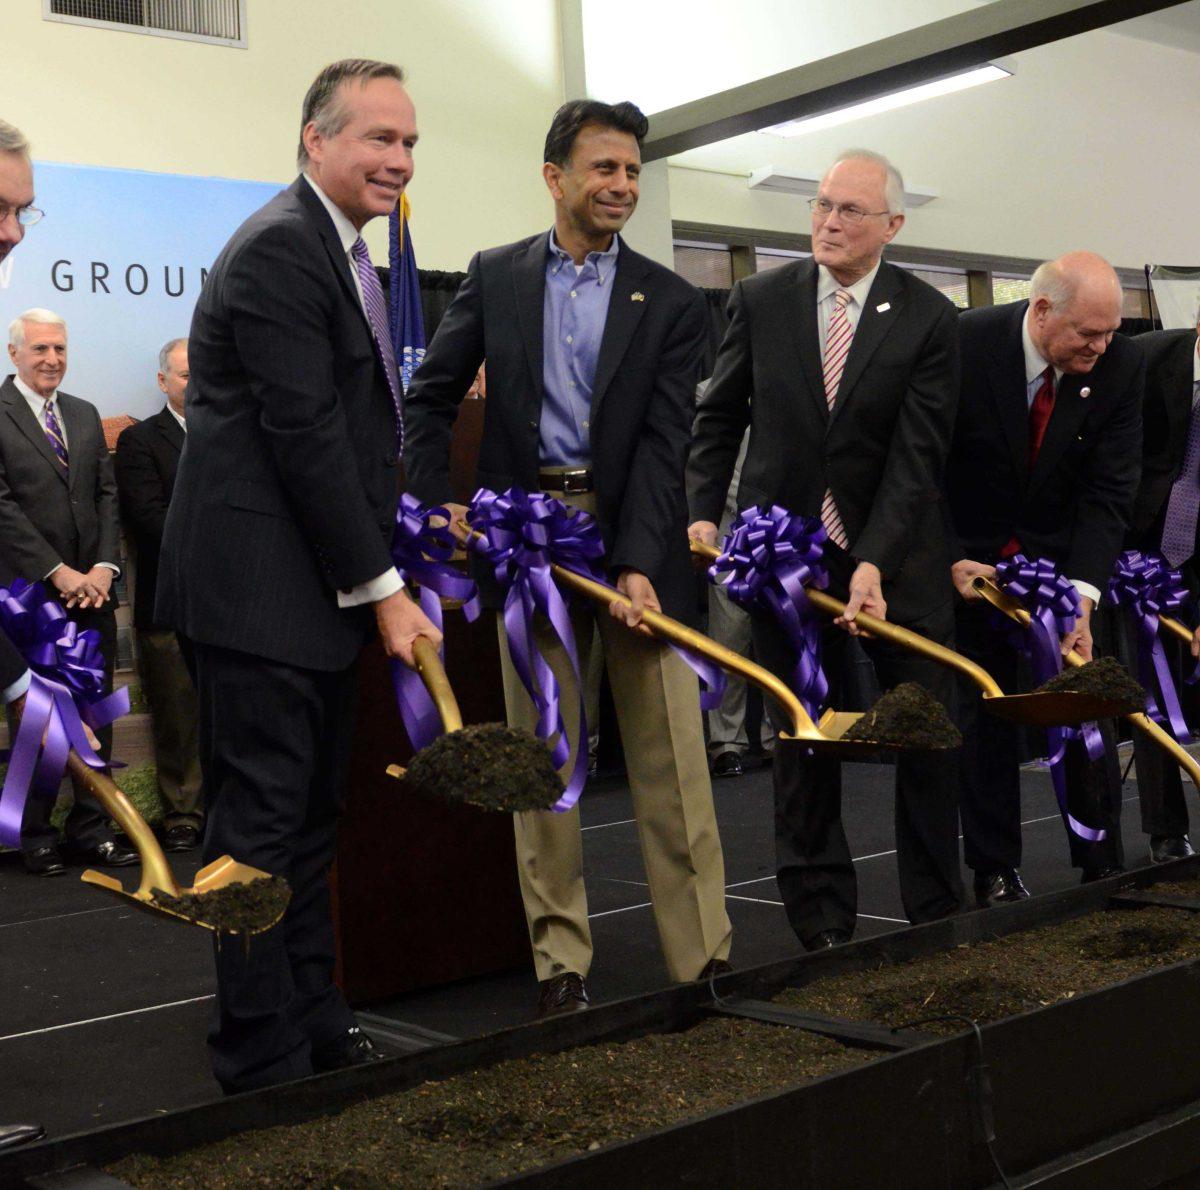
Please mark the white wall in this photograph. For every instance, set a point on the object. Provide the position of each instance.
(485, 75)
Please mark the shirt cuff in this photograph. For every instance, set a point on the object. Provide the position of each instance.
(1087, 589)
(50, 571)
(111, 566)
(388, 583)
(13, 692)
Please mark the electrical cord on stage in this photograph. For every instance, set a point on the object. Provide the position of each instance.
(979, 1087)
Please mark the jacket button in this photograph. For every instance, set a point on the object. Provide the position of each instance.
(533, 425)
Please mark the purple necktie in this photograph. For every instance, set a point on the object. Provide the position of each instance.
(54, 434)
(373, 301)
(1179, 527)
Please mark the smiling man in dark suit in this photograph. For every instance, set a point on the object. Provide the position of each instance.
(275, 561)
(593, 354)
(58, 523)
(146, 460)
(845, 368)
(1045, 462)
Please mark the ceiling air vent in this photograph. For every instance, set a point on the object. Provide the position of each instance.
(219, 22)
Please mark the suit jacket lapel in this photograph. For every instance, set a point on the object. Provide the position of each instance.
(803, 309)
(170, 429)
(307, 197)
(873, 327)
(624, 313)
(1006, 376)
(1065, 419)
(17, 408)
(529, 282)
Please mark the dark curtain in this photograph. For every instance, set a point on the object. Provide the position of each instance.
(718, 323)
(437, 292)
(1139, 326)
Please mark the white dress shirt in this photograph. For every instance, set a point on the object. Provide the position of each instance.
(1035, 365)
(182, 423)
(37, 406)
(387, 583)
(827, 287)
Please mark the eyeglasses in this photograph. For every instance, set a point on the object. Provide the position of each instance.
(26, 216)
(852, 215)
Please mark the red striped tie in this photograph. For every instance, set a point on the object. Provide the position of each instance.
(837, 347)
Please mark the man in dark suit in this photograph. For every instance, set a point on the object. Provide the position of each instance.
(275, 558)
(58, 523)
(1164, 521)
(593, 354)
(845, 368)
(1045, 462)
(146, 460)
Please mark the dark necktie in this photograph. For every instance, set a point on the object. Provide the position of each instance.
(1039, 414)
(376, 310)
(54, 434)
(1179, 526)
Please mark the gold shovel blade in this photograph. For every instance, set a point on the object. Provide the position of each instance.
(1063, 708)
(219, 874)
(832, 727)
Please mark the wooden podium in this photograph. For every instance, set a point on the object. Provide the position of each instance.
(425, 893)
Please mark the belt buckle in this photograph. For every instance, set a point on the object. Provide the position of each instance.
(576, 482)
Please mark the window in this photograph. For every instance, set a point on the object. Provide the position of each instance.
(775, 258)
(1009, 288)
(220, 22)
(707, 266)
(951, 282)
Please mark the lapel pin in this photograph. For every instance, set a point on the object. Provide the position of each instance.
(637, 296)
(883, 307)
(1084, 393)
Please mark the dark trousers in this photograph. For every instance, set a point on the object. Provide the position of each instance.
(814, 868)
(87, 823)
(991, 759)
(274, 742)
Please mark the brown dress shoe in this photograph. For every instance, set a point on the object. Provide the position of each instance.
(563, 993)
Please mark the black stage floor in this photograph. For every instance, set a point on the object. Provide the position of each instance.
(103, 1009)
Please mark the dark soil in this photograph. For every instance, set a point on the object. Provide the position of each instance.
(1103, 678)
(246, 907)
(907, 716)
(514, 1116)
(487, 765)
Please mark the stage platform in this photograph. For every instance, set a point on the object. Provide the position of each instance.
(105, 1008)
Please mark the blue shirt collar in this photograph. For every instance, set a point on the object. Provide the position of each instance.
(604, 261)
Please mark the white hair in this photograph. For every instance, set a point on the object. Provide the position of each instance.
(164, 356)
(893, 186)
(37, 316)
(12, 140)
(1053, 284)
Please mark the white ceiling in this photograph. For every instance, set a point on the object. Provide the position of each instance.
(1178, 27)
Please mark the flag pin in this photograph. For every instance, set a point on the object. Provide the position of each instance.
(1084, 393)
(637, 296)
(883, 307)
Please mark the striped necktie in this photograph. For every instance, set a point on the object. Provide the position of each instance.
(837, 348)
(376, 309)
(54, 434)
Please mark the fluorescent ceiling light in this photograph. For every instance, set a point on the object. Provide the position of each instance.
(886, 103)
(770, 177)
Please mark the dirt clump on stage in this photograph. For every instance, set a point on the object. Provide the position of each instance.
(245, 907)
(907, 716)
(1103, 678)
(487, 765)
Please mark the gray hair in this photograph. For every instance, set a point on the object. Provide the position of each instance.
(1053, 284)
(12, 140)
(322, 105)
(893, 186)
(164, 356)
(39, 317)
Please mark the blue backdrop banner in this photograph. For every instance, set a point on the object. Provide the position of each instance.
(121, 255)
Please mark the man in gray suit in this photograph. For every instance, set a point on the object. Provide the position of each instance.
(58, 523)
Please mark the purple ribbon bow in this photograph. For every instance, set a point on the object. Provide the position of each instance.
(767, 559)
(523, 534)
(1053, 603)
(422, 555)
(1148, 588)
(66, 691)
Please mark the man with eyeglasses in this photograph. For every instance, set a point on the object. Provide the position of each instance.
(845, 368)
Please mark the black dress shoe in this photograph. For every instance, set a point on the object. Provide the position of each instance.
(999, 887)
(1165, 848)
(714, 969)
(12, 1135)
(564, 993)
(43, 861)
(1090, 875)
(352, 1048)
(727, 764)
(106, 855)
(184, 837)
(828, 939)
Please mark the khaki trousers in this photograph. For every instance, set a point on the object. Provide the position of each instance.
(172, 698)
(658, 711)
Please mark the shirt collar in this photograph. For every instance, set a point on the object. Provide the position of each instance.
(604, 261)
(1196, 362)
(347, 232)
(1035, 363)
(828, 285)
(36, 401)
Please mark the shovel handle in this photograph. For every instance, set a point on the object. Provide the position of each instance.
(1182, 631)
(429, 667)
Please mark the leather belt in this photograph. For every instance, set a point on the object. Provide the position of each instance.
(571, 482)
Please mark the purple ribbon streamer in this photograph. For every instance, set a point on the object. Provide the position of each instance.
(422, 554)
(1053, 603)
(523, 534)
(1148, 589)
(767, 559)
(66, 691)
